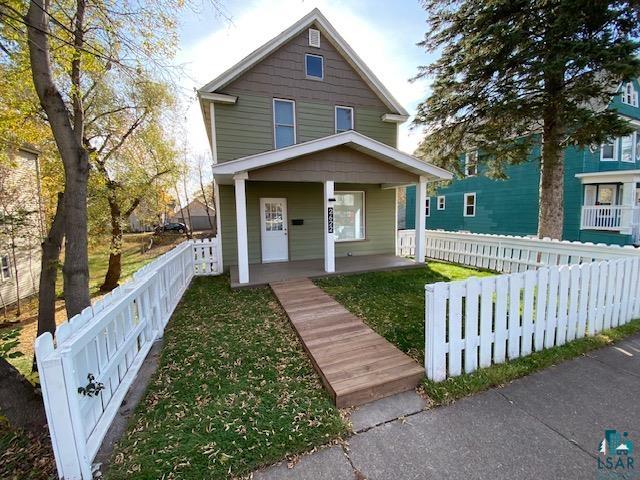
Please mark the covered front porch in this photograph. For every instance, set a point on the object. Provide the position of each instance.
(266, 273)
(611, 202)
(323, 207)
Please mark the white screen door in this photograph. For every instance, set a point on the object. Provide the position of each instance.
(273, 229)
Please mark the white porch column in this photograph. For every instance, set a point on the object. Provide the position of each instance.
(628, 201)
(241, 226)
(421, 200)
(329, 237)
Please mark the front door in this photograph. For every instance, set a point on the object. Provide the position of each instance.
(273, 229)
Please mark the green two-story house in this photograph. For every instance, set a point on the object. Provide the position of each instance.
(303, 138)
(601, 190)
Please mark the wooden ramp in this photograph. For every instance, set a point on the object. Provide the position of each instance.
(355, 364)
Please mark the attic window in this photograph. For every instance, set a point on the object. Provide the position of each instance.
(314, 38)
(314, 66)
(629, 95)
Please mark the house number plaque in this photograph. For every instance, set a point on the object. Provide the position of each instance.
(330, 220)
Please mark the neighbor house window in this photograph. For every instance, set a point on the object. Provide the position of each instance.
(314, 66)
(469, 204)
(441, 202)
(471, 164)
(629, 95)
(348, 216)
(627, 144)
(344, 119)
(427, 207)
(284, 123)
(609, 151)
(5, 268)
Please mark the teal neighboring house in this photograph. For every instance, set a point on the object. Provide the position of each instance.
(601, 196)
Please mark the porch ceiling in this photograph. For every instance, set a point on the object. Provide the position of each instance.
(224, 172)
(616, 176)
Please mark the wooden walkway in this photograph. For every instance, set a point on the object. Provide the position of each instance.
(356, 364)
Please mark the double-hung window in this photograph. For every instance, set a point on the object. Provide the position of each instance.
(471, 164)
(344, 119)
(314, 66)
(348, 214)
(427, 207)
(284, 123)
(609, 151)
(626, 148)
(442, 202)
(629, 95)
(5, 267)
(469, 204)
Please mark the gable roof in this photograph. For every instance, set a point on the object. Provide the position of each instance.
(349, 138)
(317, 18)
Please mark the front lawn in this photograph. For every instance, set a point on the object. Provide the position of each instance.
(392, 303)
(234, 391)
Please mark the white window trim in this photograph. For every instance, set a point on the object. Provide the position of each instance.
(364, 217)
(464, 204)
(335, 117)
(633, 148)
(467, 163)
(629, 91)
(615, 151)
(3, 277)
(444, 202)
(312, 77)
(295, 140)
(427, 207)
(314, 31)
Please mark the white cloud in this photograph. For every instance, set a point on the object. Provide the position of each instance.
(392, 62)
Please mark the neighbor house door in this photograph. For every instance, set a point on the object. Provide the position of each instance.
(273, 229)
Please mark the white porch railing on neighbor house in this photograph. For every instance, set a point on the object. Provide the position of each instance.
(479, 322)
(109, 341)
(607, 217)
(508, 254)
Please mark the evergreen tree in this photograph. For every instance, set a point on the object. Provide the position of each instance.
(517, 78)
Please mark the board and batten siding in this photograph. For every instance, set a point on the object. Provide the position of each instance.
(28, 276)
(304, 201)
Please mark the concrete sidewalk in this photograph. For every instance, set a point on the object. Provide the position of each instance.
(544, 426)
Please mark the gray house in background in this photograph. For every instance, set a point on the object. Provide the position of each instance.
(303, 138)
(20, 240)
(197, 216)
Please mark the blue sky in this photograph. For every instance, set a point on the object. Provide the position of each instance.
(383, 33)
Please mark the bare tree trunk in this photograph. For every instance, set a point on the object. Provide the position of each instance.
(204, 197)
(69, 140)
(112, 277)
(186, 199)
(51, 247)
(186, 232)
(551, 210)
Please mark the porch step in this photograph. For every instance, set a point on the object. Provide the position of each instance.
(355, 364)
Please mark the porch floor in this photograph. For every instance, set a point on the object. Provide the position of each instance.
(355, 364)
(266, 273)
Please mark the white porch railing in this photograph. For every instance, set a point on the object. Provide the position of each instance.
(508, 254)
(109, 341)
(607, 217)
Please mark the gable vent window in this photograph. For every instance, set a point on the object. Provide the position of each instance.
(314, 66)
(314, 38)
(344, 119)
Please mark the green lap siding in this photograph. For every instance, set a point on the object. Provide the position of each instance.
(304, 201)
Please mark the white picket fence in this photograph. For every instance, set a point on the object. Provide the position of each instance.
(110, 340)
(508, 254)
(478, 322)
